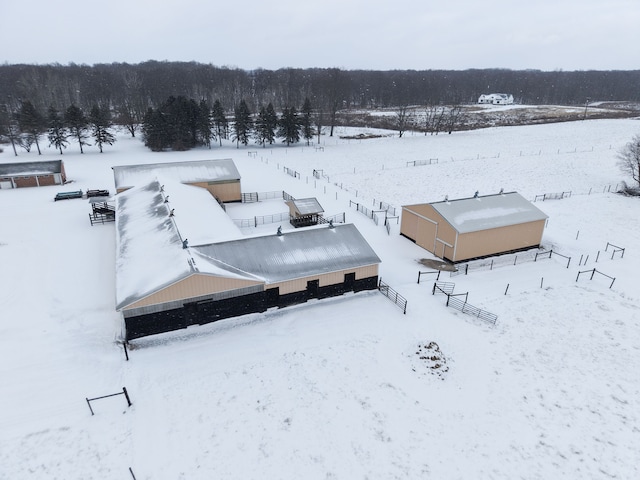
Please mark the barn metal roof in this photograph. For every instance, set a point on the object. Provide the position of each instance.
(223, 170)
(307, 206)
(30, 168)
(295, 254)
(489, 211)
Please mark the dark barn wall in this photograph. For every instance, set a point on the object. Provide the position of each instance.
(200, 313)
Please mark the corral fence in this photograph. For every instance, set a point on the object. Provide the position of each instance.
(388, 210)
(593, 272)
(392, 295)
(319, 174)
(419, 163)
(252, 197)
(550, 253)
(462, 305)
(504, 260)
(123, 392)
(429, 272)
(291, 172)
(615, 249)
(552, 196)
(261, 220)
(338, 218)
(283, 217)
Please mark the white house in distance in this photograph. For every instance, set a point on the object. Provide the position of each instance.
(496, 99)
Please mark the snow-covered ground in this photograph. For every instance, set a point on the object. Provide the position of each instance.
(336, 389)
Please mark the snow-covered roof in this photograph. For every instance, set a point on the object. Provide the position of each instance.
(307, 206)
(223, 170)
(149, 241)
(30, 168)
(295, 254)
(489, 211)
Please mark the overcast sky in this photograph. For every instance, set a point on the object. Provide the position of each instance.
(348, 34)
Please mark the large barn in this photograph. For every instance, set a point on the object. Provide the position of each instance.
(463, 229)
(174, 269)
(220, 177)
(32, 174)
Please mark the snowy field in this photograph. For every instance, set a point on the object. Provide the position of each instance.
(336, 389)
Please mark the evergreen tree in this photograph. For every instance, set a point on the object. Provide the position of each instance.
(177, 115)
(307, 121)
(266, 124)
(205, 124)
(219, 121)
(9, 127)
(100, 121)
(272, 122)
(242, 125)
(155, 130)
(289, 126)
(31, 123)
(77, 124)
(56, 131)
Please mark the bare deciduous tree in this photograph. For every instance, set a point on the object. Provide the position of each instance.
(402, 119)
(629, 159)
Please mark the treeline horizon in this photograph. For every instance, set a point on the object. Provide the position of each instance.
(148, 84)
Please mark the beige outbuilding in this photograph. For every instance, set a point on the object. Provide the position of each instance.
(468, 228)
(219, 177)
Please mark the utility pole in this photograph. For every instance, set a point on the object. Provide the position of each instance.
(585, 108)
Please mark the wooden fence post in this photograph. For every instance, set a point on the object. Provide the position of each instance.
(126, 396)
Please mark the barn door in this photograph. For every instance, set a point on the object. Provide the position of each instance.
(313, 288)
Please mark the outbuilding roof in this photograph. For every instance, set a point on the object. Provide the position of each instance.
(306, 206)
(488, 211)
(23, 169)
(223, 170)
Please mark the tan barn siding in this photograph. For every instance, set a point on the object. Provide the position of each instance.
(409, 224)
(225, 191)
(333, 278)
(193, 286)
(499, 240)
(428, 229)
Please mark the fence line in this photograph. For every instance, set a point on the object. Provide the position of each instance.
(392, 295)
(551, 252)
(123, 392)
(616, 249)
(593, 272)
(291, 172)
(464, 306)
(261, 220)
(552, 196)
(430, 272)
(503, 260)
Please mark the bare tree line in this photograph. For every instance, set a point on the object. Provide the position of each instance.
(132, 88)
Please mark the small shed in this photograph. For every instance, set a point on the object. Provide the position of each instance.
(477, 227)
(304, 212)
(220, 177)
(32, 174)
